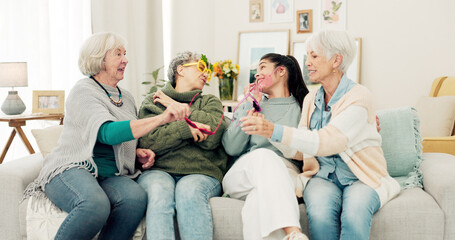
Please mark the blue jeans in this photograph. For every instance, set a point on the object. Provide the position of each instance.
(339, 212)
(115, 205)
(188, 195)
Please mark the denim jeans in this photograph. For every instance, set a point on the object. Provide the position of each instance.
(188, 195)
(115, 205)
(339, 212)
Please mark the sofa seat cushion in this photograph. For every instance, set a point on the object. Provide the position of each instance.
(413, 214)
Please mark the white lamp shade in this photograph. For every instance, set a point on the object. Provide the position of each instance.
(13, 74)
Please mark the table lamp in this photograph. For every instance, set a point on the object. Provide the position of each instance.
(13, 74)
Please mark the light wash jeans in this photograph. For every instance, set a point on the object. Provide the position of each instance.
(339, 212)
(115, 205)
(188, 195)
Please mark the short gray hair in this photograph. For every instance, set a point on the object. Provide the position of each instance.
(94, 50)
(180, 59)
(330, 43)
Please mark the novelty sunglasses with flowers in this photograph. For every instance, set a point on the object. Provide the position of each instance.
(202, 66)
(203, 130)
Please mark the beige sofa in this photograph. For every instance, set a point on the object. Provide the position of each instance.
(416, 213)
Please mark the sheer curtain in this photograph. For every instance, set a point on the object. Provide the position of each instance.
(140, 22)
(47, 34)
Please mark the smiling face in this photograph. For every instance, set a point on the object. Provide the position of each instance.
(265, 74)
(318, 66)
(115, 63)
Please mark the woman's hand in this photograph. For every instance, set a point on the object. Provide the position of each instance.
(198, 136)
(175, 112)
(256, 124)
(146, 157)
(162, 98)
(256, 94)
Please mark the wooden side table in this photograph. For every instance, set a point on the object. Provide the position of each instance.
(17, 121)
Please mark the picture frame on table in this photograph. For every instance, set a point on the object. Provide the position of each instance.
(49, 101)
(299, 51)
(252, 45)
(256, 10)
(304, 21)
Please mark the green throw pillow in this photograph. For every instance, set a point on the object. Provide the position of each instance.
(401, 143)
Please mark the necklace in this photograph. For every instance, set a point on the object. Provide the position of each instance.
(118, 103)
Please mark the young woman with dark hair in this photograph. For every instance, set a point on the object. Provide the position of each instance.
(261, 175)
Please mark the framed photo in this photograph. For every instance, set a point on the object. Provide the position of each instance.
(251, 47)
(299, 51)
(333, 14)
(304, 21)
(52, 102)
(256, 10)
(281, 11)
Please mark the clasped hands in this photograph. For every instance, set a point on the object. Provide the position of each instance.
(170, 104)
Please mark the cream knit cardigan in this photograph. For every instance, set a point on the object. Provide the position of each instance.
(351, 133)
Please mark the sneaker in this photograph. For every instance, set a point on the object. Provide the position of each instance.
(296, 236)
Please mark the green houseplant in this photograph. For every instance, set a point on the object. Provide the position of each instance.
(156, 83)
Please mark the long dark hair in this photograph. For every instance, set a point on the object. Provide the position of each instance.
(296, 85)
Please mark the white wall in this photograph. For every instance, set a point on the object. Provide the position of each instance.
(406, 43)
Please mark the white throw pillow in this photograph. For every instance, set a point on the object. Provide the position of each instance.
(437, 116)
(47, 138)
(44, 219)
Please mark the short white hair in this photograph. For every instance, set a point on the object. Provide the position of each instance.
(94, 50)
(180, 59)
(330, 43)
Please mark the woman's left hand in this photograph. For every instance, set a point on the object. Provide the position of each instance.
(146, 157)
(162, 98)
(256, 124)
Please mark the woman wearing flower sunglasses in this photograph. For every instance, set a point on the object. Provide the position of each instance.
(190, 161)
(261, 175)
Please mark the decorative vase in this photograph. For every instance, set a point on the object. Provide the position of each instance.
(226, 87)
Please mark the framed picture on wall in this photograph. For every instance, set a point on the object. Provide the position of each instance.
(251, 47)
(299, 51)
(281, 11)
(52, 102)
(256, 10)
(333, 14)
(304, 21)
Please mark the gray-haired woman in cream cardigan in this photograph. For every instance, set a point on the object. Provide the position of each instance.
(344, 168)
(90, 174)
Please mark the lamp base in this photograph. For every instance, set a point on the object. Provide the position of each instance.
(13, 104)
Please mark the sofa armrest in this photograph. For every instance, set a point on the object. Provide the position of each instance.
(14, 177)
(439, 182)
(439, 144)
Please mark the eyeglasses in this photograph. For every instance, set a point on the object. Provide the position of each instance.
(257, 87)
(193, 125)
(201, 67)
(256, 105)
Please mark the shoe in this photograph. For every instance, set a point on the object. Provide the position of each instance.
(296, 236)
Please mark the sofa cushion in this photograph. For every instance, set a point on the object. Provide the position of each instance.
(43, 220)
(413, 214)
(47, 138)
(401, 143)
(437, 115)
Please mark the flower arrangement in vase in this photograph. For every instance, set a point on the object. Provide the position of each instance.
(226, 72)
